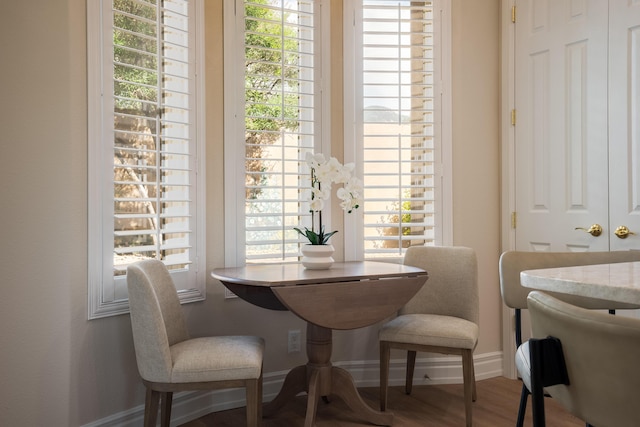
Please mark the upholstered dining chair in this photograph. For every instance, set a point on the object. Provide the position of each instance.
(600, 355)
(515, 295)
(441, 318)
(169, 360)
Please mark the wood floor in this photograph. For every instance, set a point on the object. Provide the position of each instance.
(427, 406)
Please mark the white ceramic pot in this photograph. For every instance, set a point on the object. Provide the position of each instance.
(317, 257)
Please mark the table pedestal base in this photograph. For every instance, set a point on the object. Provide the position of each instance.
(320, 379)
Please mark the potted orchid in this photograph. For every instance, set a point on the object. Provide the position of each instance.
(324, 173)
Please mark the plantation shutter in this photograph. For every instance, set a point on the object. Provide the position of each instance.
(397, 125)
(153, 146)
(280, 117)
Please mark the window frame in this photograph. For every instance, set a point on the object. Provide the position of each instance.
(354, 224)
(234, 174)
(106, 296)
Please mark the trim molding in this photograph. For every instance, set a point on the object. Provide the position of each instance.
(507, 184)
(188, 406)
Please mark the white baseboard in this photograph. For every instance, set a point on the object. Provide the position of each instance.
(188, 406)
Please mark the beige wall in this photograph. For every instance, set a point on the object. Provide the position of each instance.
(58, 368)
(476, 156)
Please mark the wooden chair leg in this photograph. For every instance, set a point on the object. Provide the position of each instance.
(468, 378)
(165, 410)
(473, 377)
(385, 354)
(152, 399)
(411, 364)
(254, 402)
(259, 405)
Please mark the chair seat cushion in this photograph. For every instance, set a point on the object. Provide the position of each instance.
(217, 359)
(431, 330)
(523, 364)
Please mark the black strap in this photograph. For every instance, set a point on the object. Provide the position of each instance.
(547, 361)
(547, 368)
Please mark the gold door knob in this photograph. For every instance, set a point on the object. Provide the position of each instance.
(595, 230)
(623, 232)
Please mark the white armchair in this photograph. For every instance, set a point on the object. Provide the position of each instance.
(600, 354)
(169, 360)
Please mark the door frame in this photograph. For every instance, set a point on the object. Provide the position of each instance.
(507, 185)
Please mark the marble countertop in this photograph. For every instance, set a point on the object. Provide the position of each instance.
(614, 282)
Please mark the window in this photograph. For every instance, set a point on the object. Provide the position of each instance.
(397, 115)
(145, 146)
(275, 111)
(276, 100)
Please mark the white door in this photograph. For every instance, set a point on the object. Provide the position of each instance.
(624, 122)
(561, 167)
(577, 133)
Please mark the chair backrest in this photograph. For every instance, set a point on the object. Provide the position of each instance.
(452, 286)
(157, 320)
(601, 353)
(512, 263)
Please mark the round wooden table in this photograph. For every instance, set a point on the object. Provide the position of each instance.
(347, 296)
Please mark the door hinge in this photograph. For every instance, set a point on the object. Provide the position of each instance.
(513, 14)
(514, 219)
(513, 117)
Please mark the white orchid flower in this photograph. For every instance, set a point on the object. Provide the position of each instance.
(345, 173)
(343, 194)
(354, 185)
(347, 205)
(323, 193)
(328, 172)
(316, 204)
(314, 160)
(323, 174)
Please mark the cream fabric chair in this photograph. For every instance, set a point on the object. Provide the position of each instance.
(515, 295)
(169, 360)
(441, 318)
(601, 355)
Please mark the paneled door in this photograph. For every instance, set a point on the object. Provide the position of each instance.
(576, 91)
(561, 166)
(624, 123)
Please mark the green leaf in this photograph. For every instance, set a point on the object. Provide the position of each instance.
(325, 237)
(314, 238)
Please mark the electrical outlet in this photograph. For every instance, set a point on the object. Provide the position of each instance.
(294, 341)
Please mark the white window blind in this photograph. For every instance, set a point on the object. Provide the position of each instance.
(280, 116)
(396, 124)
(148, 145)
